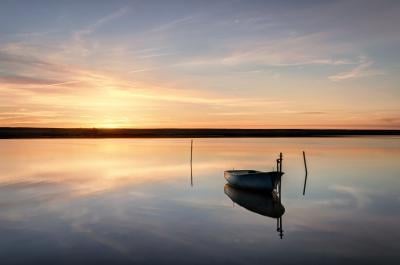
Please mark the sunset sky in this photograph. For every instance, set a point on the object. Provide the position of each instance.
(233, 64)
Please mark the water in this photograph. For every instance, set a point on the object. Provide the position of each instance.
(127, 201)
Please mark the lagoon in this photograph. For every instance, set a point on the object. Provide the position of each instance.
(141, 201)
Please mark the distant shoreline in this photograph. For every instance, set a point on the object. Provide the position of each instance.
(44, 133)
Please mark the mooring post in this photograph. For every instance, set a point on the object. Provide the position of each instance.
(305, 162)
(191, 161)
(305, 177)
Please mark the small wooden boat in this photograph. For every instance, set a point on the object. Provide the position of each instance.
(252, 179)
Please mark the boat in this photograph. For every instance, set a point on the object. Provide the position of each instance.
(266, 204)
(253, 179)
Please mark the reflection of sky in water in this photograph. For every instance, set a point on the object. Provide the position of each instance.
(125, 201)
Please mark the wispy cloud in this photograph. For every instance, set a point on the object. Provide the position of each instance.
(21, 80)
(174, 23)
(143, 70)
(72, 78)
(363, 69)
(288, 51)
(100, 22)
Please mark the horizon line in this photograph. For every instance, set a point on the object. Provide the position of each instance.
(50, 133)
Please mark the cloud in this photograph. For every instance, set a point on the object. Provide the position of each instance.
(45, 76)
(173, 24)
(363, 69)
(23, 60)
(21, 80)
(7, 57)
(19, 71)
(286, 51)
(100, 22)
(37, 34)
(143, 70)
(310, 112)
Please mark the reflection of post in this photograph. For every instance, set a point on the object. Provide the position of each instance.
(280, 181)
(280, 195)
(277, 225)
(191, 160)
(305, 177)
(279, 228)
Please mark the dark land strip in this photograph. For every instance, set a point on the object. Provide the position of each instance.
(31, 133)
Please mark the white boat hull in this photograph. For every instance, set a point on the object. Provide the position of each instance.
(252, 179)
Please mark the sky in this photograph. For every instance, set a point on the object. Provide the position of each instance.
(200, 64)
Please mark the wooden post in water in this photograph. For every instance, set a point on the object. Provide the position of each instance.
(305, 177)
(279, 169)
(305, 162)
(191, 161)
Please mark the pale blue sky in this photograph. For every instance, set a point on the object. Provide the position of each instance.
(227, 63)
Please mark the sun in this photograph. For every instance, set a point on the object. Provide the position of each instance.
(109, 124)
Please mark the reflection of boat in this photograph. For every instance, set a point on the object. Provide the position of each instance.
(252, 179)
(266, 204)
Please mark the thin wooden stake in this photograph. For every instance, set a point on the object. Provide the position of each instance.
(191, 162)
(306, 170)
(280, 180)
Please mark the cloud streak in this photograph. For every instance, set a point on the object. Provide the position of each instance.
(78, 35)
(363, 69)
(284, 52)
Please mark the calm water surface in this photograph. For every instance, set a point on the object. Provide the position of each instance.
(127, 201)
